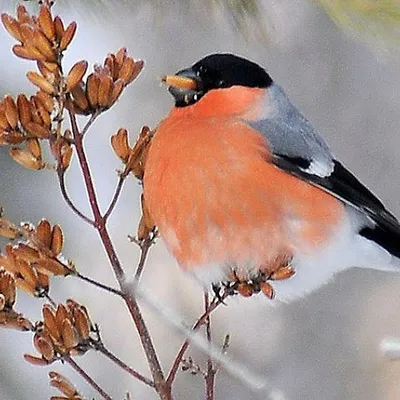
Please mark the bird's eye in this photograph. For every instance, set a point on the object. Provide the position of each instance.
(202, 70)
(221, 83)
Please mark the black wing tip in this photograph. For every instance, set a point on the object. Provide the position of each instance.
(385, 238)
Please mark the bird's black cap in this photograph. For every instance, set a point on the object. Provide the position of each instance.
(219, 71)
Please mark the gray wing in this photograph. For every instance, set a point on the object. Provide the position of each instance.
(290, 135)
(298, 149)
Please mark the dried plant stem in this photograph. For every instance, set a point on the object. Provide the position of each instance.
(210, 374)
(115, 198)
(145, 247)
(125, 367)
(97, 284)
(87, 378)
(201, 321)
(161, 386)
(64, 192)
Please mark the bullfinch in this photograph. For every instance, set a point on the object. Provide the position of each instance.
(241, 186)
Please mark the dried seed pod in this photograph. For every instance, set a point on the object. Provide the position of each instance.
(63, 385)
(50, 266)
(50, 323)
(46, 100)
(43, 234)
(105, 89)
(33, 146)
(44, 346)
(120, 144)
(267, 289)
(80, 98)
(24, 110)
(61, 315)
(76, 73)
(37, 130)
(57, 240)
(35, 360)
(66, 156)
(23, 15)
(27, 273)
(41, 42)
(82, 324)
(282, 273)
(69, 335)
(44, 281)
(120, 57)
(12, 26)
(11, 111)
(46, 22)
(117, 89)
(25, 158)
(92, 89)
(27, 30)
(245, 289)
(42, 113)
(41, 82)
(25, 252)
(68, 35)
(2, 301)
(25, 286)
(28, 52)
(8, 230)
(59, 27)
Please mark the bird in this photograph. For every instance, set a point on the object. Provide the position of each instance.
(241, 186)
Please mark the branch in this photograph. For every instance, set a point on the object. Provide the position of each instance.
(86, 377)
(115, 198)
(210, 375)
(97, 284)
(160, 384)
(61, 180)
(201, 321)
(103, 350)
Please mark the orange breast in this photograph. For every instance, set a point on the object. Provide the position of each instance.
(216, 199)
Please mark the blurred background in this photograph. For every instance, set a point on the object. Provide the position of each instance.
(339, 62)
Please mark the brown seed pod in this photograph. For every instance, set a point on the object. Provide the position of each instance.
(12, 26)
(117, 89)
(105, 90)
(68, 35)
(282, 273)
(92, 89)
(50, 266)
(25, 158)
(61, 383)
(11, 111)
(267, 289)
(76, 73)
(43, 44)
(28, 52)
(120, 144)
(57, 240)
(46, 22)
(33, 146)
(46, 100)
(35, 360)
(59, 27)
(41, 82)
(24, 110)
(37, 130)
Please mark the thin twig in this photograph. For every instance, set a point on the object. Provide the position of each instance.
(61, 180)
(160, 384)
(97, 284)
(50, 300)
(115, 198)
(90, 122)
(103, 350)
(201, 321)
(210, 375)
(87, 378)
(144, 250)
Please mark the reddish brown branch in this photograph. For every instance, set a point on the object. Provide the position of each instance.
(115, 198)
(210, 374)
(201, 321)
(161, 386)
(87, 378)
(124, 366)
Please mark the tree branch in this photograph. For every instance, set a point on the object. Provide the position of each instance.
(86, 377)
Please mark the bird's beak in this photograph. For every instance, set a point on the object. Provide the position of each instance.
(179, 82)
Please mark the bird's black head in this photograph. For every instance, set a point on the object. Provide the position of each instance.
(216, 71)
